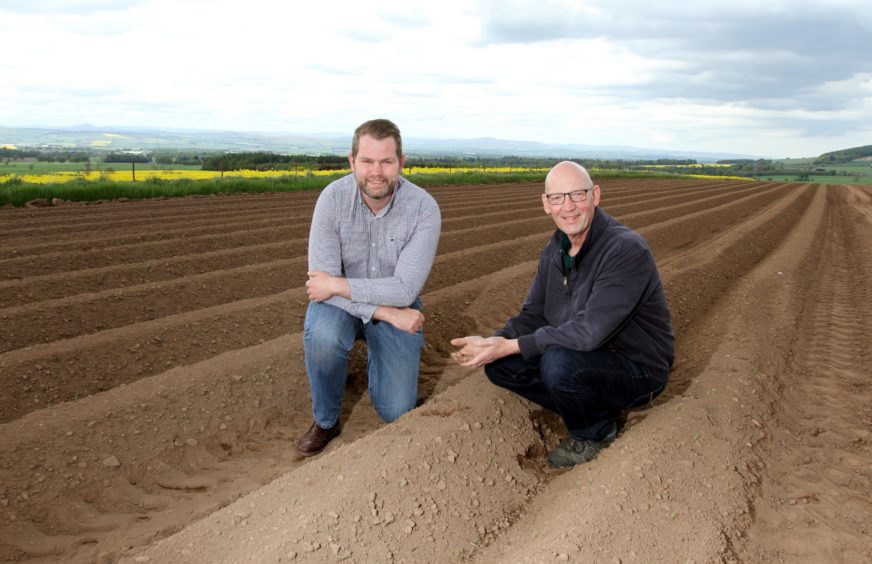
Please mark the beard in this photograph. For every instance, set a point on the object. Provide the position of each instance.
(386, 190)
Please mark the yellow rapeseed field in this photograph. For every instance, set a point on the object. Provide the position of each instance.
(453, 170)
(720, 177)
(691, 167)
(127, 175)
(694, 165)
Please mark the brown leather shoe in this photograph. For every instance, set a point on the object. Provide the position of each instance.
(316, 439)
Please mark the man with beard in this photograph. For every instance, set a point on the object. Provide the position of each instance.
(371, 246)
(594, 335)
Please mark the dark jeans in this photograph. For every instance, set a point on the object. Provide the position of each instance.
(587, 389)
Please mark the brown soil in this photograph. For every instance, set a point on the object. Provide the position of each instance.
(152, 388)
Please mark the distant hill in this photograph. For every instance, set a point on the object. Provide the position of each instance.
(122, 139)
(845, 155)
(116, 138)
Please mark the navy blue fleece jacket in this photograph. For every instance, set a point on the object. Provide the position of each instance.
(611, 297)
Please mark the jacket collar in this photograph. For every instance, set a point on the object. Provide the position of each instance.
(597, 227)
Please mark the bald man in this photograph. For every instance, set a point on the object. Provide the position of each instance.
(594, 336)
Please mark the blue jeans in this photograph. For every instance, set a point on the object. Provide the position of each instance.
(393, 362)
(587, 389)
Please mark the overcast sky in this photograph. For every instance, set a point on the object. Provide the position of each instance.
(772, 78)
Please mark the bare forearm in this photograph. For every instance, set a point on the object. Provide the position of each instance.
(478, 351)
(321, 286)
(404, 318)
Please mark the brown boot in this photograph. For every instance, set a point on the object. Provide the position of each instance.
(316, 439)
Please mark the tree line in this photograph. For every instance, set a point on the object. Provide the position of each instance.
(59, 156)
(258, 160)
(845, 155)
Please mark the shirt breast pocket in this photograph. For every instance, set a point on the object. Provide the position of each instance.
(394, 245)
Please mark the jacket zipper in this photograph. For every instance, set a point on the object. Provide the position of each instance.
(564, 270)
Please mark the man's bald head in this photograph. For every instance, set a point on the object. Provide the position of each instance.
(567, 173)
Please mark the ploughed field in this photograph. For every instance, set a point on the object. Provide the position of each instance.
(152, 389)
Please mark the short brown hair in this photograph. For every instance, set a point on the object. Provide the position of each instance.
(377, 129)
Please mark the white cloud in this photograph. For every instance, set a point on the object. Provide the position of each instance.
(739, 77)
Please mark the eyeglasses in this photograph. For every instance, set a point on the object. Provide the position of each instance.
(555, 199)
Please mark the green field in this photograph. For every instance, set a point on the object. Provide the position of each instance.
(820, 179)
(855, 172)
(850, 169)
(18, 167)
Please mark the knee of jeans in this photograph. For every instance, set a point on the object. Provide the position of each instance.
(320, 341)
(390, 413)
(557, 366)
(491, 373)
(498, 375)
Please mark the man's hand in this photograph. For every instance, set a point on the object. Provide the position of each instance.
(406, 319)
(478, 351)
(321, 286)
